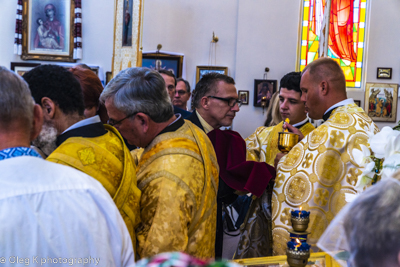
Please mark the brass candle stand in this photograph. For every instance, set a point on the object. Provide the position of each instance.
(298, 256)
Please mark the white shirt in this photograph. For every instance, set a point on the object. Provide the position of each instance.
(51, 213)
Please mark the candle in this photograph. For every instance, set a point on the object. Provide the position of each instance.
(298, 246)
(300, 213)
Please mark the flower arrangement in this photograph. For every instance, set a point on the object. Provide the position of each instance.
(381, 159)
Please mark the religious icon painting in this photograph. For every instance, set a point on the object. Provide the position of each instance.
(127, 25)
(203, 70)
(20, 68)
(381, 101)
(48, 34)
(263, 91)
(244, 97)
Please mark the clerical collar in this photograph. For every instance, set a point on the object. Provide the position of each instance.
(90, 127)
(329, 111)
(207, 127)
(84, 122)
(175, 125)
(18, 152)
(302, 123)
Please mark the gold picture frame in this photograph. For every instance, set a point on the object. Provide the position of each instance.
(127, 35)
(201, 70)
(48, 35)
(381, 101)
(318, 259)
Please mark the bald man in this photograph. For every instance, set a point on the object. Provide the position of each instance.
(321, 168)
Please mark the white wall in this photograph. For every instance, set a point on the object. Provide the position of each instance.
(252, 35)
(97, 33)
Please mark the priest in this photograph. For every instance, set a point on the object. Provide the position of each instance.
(319, 170)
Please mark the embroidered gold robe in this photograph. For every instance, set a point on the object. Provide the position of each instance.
(262, 145)
(108, 160)
(317, 173)
(178, 175)
(255, 233)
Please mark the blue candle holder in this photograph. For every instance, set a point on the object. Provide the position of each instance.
(300, 214)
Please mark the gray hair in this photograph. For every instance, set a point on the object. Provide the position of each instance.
(139, 90)
(373, 225)
(16, 102)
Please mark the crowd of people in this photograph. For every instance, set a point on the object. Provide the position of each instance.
(111, 176)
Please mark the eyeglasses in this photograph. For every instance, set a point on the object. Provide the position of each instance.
(112, 122)
(230, 101)
(181, 92)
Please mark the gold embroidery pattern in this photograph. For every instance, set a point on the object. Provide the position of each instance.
(308, 160)
(297, 189)
(321, 196)
(337, 139)
(341, 120)
(286, 217)
(325, 171)
(279, 180)
(318, 136)
(87, 156)
(280, 237)
(275, 205)
(292, 159)
(352, 177)
(329, 167)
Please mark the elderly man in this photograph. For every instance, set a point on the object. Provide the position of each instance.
(170, 85)
(48, 210)
(262, 145)
(320, 169)
(84, 144)
(182, 94)
(177, 171)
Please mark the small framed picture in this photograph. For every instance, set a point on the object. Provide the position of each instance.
(384, 73)
(108, 76)
(157, 61)
(48, 34)
(263, 91)
(381, 101)
(244, 97)
(20, 68)
(202, 70)
(358, 103)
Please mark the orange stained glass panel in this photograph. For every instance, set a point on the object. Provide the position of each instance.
(344, 42)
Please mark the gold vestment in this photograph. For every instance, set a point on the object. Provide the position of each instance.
(317, 173)
(108, 160)
(178, 176)
(262, 145)
(255, 233)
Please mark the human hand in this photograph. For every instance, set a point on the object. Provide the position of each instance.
(293, 129)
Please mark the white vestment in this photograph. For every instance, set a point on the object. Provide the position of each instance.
(52, 214)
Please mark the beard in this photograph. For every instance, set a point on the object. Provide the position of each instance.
(46, 140)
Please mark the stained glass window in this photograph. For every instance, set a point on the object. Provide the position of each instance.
(346, 35)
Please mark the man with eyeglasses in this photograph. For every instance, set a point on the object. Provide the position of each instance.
(215, 102)
(177, 171)
(84, 144)
(182, 94)
(170, 85)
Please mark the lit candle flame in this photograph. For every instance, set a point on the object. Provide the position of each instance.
(300, 212)
(298, 244)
